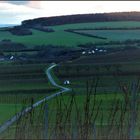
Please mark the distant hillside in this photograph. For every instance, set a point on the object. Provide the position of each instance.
(7, 25)
(82, 18)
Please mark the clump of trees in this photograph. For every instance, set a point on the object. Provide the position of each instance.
(8, 45)
(56, 53)
(20, 31)
(44, 29)
(127, 43)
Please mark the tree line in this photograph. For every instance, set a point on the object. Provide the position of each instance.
(82, 18)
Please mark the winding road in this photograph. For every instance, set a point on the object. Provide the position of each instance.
(8, 123)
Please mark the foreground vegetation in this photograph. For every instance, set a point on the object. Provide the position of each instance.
(98, 107)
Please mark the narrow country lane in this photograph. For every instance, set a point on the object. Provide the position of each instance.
(8, 123)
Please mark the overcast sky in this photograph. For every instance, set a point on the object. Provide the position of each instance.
(13, 12)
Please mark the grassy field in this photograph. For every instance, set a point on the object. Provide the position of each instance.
(8, 110)
(125, 24)
(60, 37)
(106, 75)
(114, 35)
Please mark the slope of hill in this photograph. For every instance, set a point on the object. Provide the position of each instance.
(120, 29)
(83, 18)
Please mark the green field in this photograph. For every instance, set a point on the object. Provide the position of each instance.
(114, 35)
(119, 24)
(105, 75)
(8, 110)
(60, 37)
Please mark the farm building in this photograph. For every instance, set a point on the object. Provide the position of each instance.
(67, 82)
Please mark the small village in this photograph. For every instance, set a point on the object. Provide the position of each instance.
(94, 51)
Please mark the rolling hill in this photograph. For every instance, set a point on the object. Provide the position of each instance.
(71, 33)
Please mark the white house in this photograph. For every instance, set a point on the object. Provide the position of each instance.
(12, 57)
(89, 52)
(83, 52)
(93, 51)
(67, 82)
(100, 50)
